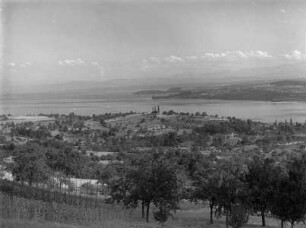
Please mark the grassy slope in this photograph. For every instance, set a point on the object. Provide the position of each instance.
(35, 224)
(190, 215)
(4, 223)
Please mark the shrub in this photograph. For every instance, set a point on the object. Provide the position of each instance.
(239, 215)
(162, 215)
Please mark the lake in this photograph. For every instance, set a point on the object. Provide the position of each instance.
(255, 110)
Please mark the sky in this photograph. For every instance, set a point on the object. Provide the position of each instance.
(52, 41)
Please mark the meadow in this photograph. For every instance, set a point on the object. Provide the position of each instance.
(18, 212)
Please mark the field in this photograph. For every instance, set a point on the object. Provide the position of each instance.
(180, 221)
(69, 211)
(19, 212)
(23, 119)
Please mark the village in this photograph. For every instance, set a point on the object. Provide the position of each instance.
(107, 137)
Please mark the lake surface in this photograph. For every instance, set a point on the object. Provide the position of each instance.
(255, 110)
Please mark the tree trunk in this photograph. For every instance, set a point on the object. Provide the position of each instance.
(292, 224)
(263, 218)
(226, 221)
(148, 211)
(142, 209)
(282, 223)
(211, 205)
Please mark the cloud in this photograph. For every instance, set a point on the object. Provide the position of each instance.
(283, 10)
(236, 55)
(26, 64)
(12, 64)
(145, 62)
(93, 65)
(259, 54)
(21, 65)
(72, 62)
(296, 55)
(173, 59)
(192, 58)
(77, 62)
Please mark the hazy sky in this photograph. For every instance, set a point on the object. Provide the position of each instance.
(50, 41)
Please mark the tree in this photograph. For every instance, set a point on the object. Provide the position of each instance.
(30, 165)
(167, 187)
(105, 174)
(68, 161)
(288, 202)
(150, 178)
(258, 178)
(206, 182)
(230, 190)
(120, 186)
(220, 182)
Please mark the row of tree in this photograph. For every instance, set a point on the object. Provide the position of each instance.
(235, 186)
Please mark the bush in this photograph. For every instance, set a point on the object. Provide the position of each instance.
(239, 215)
(162, 215)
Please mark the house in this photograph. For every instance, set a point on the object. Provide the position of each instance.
(8, 160)
(5, 175)
(100, 153)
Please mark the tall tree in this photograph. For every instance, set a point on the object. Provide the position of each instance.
(258, 179)
(288, 202)
(206, 181)
(230, 190)
(148, 179)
